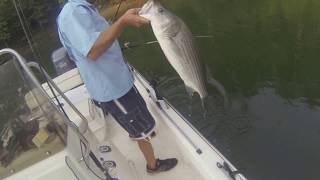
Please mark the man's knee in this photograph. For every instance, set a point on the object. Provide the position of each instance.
(147, 139)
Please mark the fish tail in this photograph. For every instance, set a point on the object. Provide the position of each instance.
(217, 85)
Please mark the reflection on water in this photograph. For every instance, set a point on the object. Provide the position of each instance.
(266, 55)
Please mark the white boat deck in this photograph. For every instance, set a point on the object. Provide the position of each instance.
(168, 142)
(58, 170)
(165, 145)
(174, 138)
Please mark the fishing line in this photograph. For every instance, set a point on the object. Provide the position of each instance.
(204, 36)
(130, 45)
(24, 28)
(28, 29)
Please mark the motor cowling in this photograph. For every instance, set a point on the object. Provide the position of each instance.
(61, 61)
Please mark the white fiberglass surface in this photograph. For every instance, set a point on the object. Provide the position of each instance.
(52, 168)
(165, 146)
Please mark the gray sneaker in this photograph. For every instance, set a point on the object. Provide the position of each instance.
(163, 165)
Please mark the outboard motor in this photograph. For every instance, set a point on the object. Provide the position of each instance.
(61, 61)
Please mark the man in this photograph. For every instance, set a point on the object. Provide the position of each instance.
(92, 43)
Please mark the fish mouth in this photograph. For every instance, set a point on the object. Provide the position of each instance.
(146, 7)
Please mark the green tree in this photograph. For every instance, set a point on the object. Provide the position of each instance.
(4, 33)
(35, 13)
(4, 29)
(39, 12)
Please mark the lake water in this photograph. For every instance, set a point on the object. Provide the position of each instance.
(266, 55)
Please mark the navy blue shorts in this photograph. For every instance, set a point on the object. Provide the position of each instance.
(131, 112)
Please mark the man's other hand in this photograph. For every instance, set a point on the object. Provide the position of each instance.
(132, 18)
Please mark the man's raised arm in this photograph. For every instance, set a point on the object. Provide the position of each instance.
(106, 38)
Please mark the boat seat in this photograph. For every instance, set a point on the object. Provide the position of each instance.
(65, 82)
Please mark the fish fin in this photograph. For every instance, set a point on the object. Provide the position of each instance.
(217, 85)
(190, 90)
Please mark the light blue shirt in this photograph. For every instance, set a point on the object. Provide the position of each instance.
(79, 25)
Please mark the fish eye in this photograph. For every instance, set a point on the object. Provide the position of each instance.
(160, 10)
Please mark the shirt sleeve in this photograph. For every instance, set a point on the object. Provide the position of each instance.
(82, 31)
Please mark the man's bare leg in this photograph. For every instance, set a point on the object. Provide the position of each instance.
(147, 150)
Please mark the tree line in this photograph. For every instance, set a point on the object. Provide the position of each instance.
(36, 14)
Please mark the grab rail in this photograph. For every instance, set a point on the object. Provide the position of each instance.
(54, 85)
(25, 66)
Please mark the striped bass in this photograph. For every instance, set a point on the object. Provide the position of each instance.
(177, 43)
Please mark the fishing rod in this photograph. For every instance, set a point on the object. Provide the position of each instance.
(117, 12)
(24, 29)
(130, 45)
